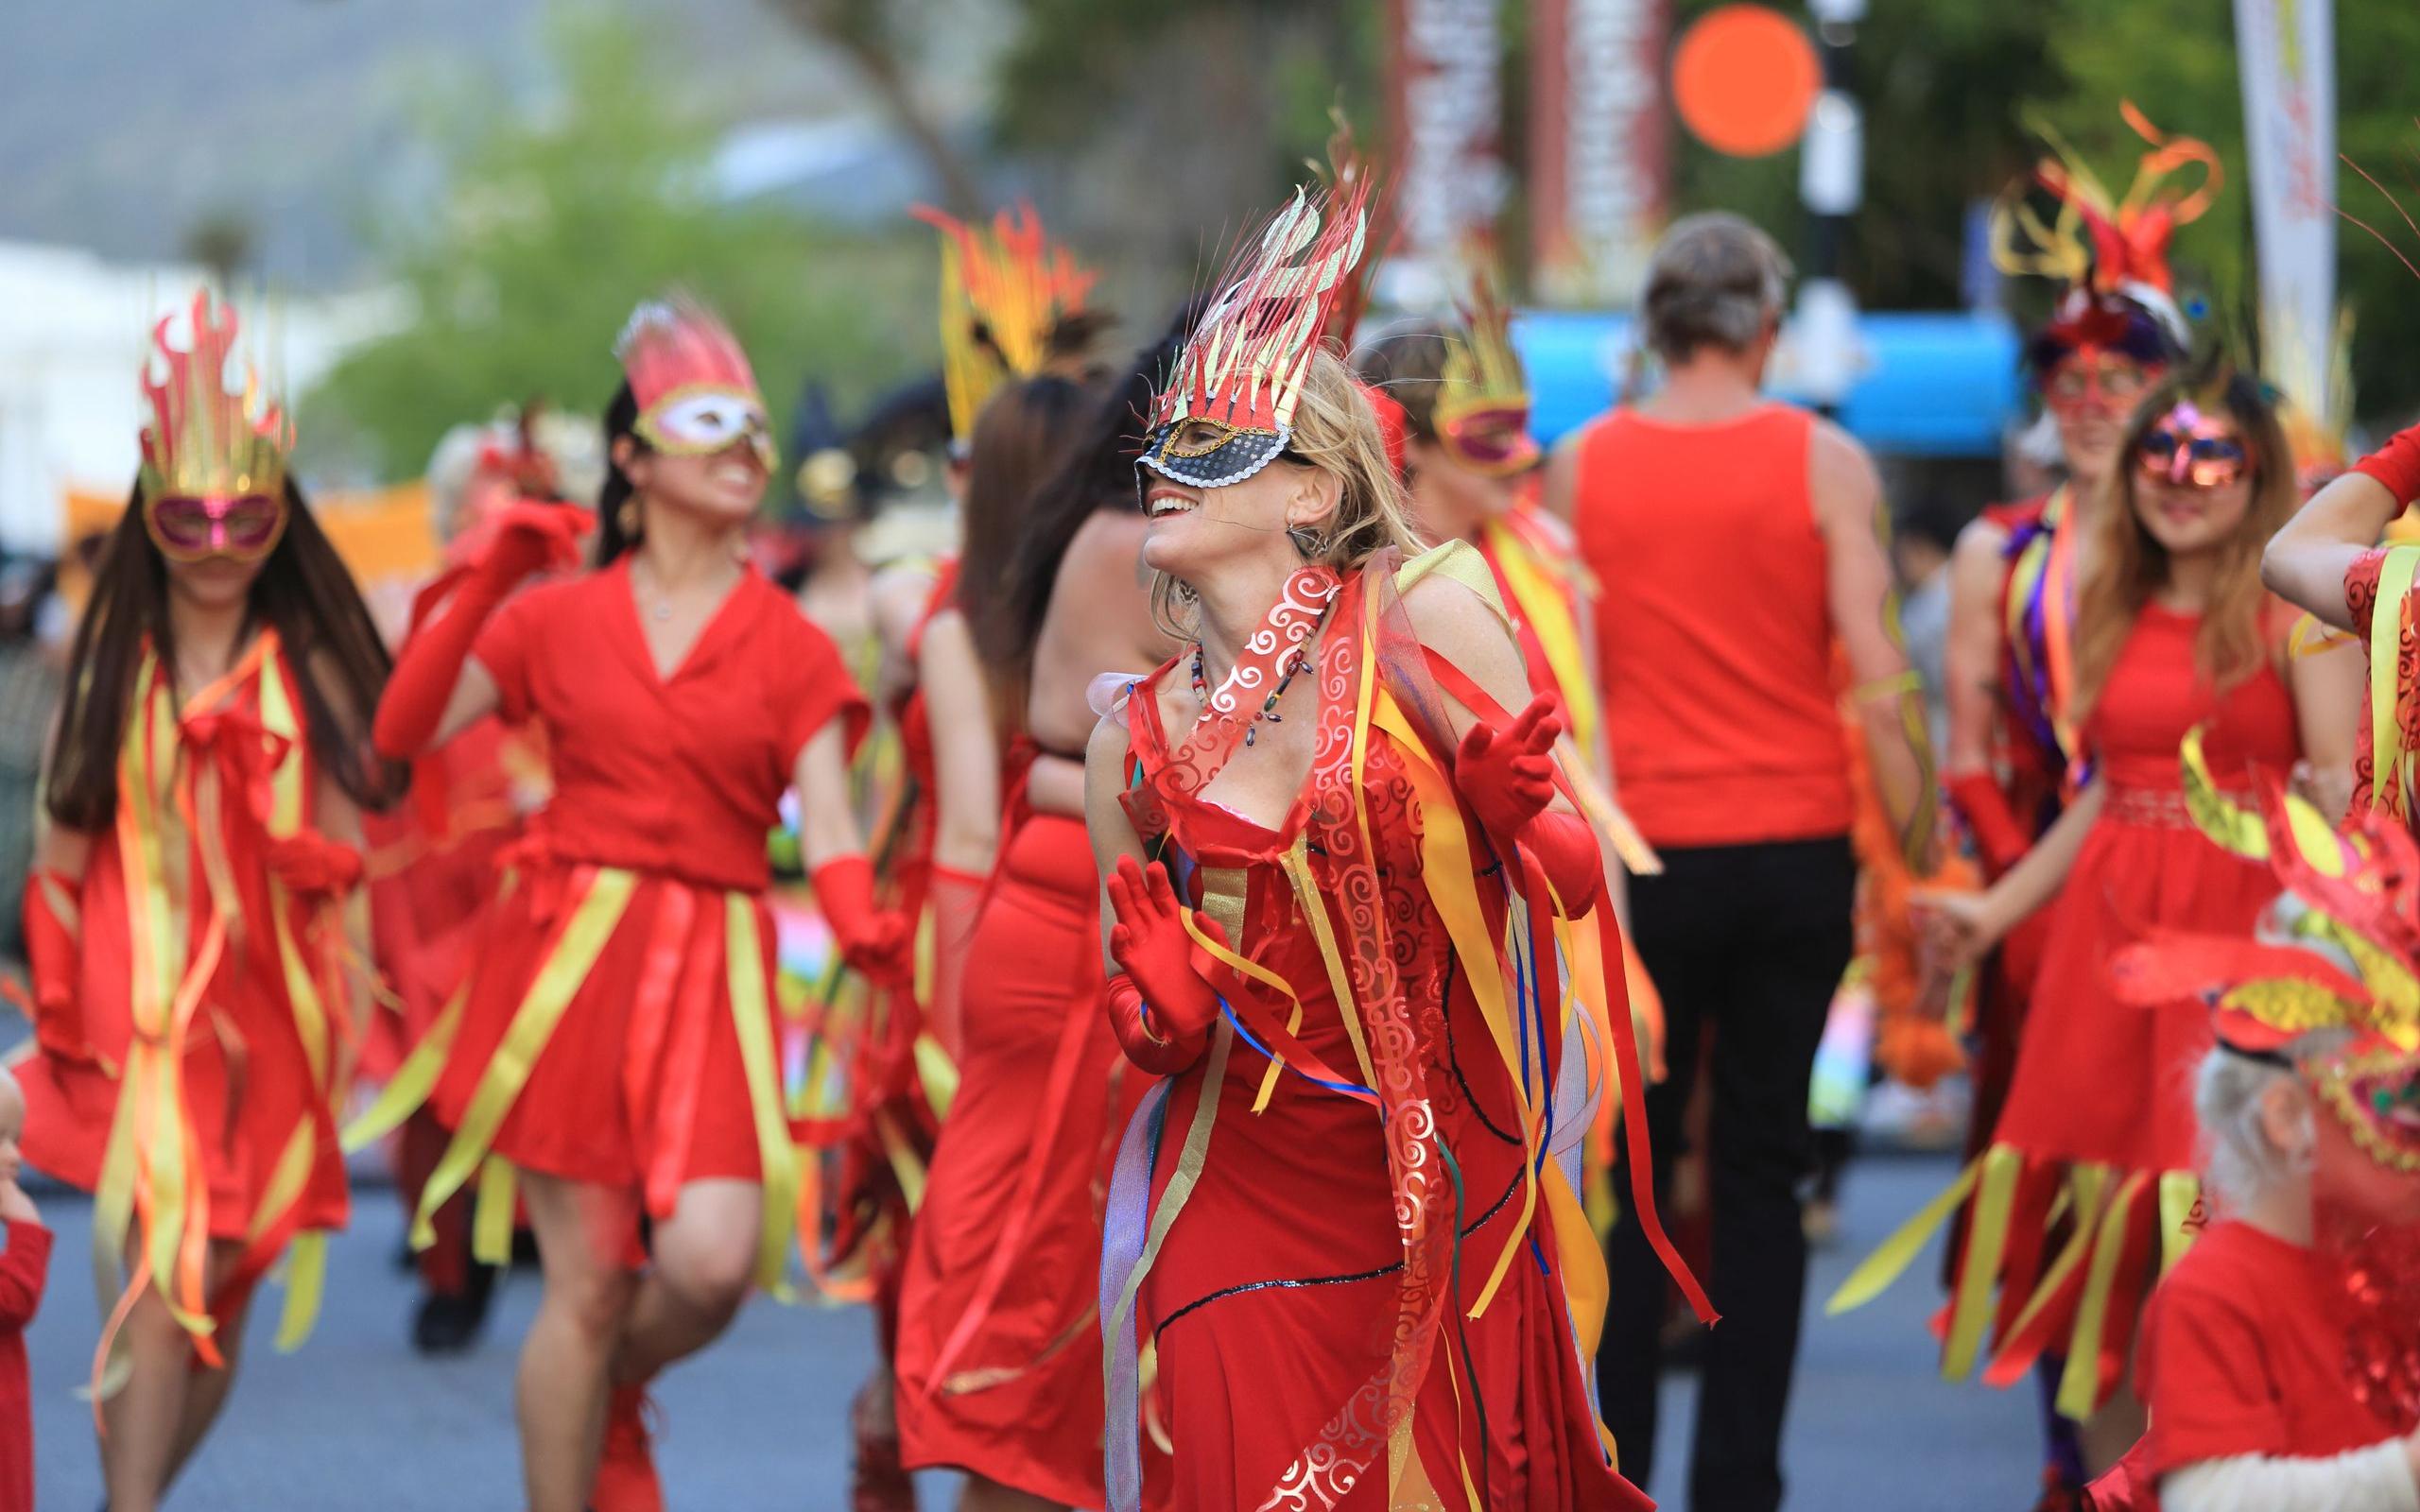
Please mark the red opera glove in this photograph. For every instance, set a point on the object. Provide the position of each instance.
(1507, 776)
(529, 536)
(1163, 1007)
(1566, 848)
(55, 966)
(1998, 836)
(873, 941)
(2397, 465)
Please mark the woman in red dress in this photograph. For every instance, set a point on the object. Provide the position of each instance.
(1000, 1375)
(2010, 762)
(615, 1047)
(196, 998)
(2174, 637)
(1335, 1225)
(1012, 322)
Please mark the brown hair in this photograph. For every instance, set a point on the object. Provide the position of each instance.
(2125, 566)
(1406, 363)
(1019, 435)
(1714, 281)
(304, 592)
(1337, 431)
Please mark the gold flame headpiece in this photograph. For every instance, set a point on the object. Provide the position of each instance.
(206, 442)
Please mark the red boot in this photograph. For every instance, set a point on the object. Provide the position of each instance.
(626, 1472)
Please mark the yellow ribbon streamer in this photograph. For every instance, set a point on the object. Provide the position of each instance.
(307, 1282)
(602, 896)
(752, 1014)
(492, 1211)
(2086, 1187)
(1297, 864)
(1874, 1274)
(409, 1088)
(2390, 783)
(1987, 1229)
(2079, 1386)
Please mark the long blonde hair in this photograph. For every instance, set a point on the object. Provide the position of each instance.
(2126, 566)
(1337, 431)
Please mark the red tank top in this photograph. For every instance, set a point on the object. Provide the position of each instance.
(1714, 627)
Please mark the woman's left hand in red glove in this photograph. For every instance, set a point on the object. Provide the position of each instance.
(1507, 774)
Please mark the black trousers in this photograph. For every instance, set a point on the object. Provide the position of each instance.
(1748, 942)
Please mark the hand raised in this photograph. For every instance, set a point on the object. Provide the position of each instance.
(1507, 773)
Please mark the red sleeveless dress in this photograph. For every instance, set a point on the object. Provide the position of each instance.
(1283, 1299)
(2085, 1192)
(2097, 1080)
(999, 1356)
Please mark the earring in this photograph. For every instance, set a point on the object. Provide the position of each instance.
(627, 518)
(1309, 544)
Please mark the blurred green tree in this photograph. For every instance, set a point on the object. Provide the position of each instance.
(2176, 60)
(553, 224)
(1162, 131)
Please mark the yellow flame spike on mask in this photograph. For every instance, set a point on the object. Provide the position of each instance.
(2230, 826)
(2315, 838)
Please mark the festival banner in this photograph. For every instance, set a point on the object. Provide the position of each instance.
(1444, 113)
(2287, 54)
(1600, 152)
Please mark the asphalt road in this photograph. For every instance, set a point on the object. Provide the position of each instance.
(354, 1422)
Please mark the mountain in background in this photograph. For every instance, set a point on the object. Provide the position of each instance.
(131, 127)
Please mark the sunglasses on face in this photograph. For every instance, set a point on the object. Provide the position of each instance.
(186, 528)
(2196, 453)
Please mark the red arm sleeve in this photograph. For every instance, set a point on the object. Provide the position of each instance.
(816, 686)
(2209, 1393)
(23, 1267)
(2397, 465)
(1998, 836)
(503, 647)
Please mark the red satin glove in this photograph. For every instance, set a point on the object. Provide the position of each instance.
(1999, 837)
(55, 969)
(1163, 1007)
(871, 941)
(529, 536)
(1507, 776)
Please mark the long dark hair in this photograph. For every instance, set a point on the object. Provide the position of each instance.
(1094, 472)
(621, 419)
(304, 592)
(1017, 441)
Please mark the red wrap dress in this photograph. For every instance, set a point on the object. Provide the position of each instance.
(213, 995)
(2083, 1193)
(998, 1359)
(1308, 1272)
(617, 1027)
